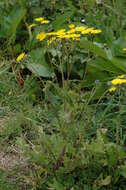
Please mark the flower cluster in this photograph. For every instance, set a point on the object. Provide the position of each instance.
(74, 33)
(117, 81)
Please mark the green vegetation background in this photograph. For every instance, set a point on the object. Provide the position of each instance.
(60, 128)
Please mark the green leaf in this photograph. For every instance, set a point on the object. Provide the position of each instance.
(61, 19)
(38, 56)
(11, 23)
(93, 75)
(106, 181)
(57, 186)
(122, 170)
(104, 65)
(98, 92)
(38, 64)
(119, 63)
(107, 55)
(70, 5)
(39, 70)
(91, 3)
(90, 46)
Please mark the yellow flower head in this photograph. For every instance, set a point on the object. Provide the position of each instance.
(112, 89)
(41, 36)
(51, 33)
(71, 31)
(31, 26)
(96, 31)
(45, 22)
(118, 81)
(51, 40)
(71, 26)
(124, 49)
(40, 19)
(75, 36)
(60, 32)
(80, 28)
(87, 31)
(121, 77)
(20, 57)
(70, 36)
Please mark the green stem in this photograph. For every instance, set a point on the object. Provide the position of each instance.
(118, 122)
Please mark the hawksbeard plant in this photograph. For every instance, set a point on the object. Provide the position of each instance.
(64, 36)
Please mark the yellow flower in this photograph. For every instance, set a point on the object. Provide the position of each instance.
(45, 22)
(70, 36)
(51, 40)
(80, 28)
(121, 77)
(96, 31)
(40, 19)
(75, 36)
(31, 26)
(51, 33)
(124, 49)
(112, 89)
(41, 36)
(71, 31)
(87, 31)
(118, 81)
(20, 57)
(60, 32)
(71, 26)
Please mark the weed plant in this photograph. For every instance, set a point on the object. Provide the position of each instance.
(62, 95)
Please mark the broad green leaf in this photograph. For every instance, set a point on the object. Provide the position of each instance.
(11, 23)
(38, 64)
(39, 70)
(90, 46)
(93, 75)
(38, 56)
(98, 51)
(104, 65)
(120, 63)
